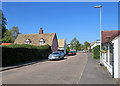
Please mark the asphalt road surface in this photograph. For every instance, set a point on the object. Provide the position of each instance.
(67, 71)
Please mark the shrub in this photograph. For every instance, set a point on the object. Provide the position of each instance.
(15, 54)
(96, 52)
(67, 49)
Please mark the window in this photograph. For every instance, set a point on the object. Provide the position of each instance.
(107, 53)
(111, 54)
(42, 41)
(27, 41)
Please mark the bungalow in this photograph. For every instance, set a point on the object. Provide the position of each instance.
(62, 45)
(111, 54)
(38, 39)
(95, 43)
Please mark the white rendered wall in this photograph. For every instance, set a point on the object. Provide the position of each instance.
(106, 64)
(116, 57)
(98, 43)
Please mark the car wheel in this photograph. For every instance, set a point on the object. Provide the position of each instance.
(50, 60)
(63, 57)
(59, 57)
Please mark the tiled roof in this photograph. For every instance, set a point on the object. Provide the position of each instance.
(6, 43)
(114, 36)
(97, 41)
(61, 42)
(92, 43)
(35, 38)
(107, 36)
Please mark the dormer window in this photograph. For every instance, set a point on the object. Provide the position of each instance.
(42, 41)
(27, 41)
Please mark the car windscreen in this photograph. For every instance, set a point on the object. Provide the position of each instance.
(55, 53)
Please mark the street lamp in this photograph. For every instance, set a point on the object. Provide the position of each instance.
(100, 33)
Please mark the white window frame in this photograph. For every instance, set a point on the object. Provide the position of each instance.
(27, 41)
(41, 42)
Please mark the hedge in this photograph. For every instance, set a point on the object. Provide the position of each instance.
(96, 52)
(16, 54)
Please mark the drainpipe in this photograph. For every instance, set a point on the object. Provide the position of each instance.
(112, 44)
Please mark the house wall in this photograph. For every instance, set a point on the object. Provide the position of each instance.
(116, 57)
(65, 48)
(54, 46)
(106, 64)
(119, 57)
(97, 43)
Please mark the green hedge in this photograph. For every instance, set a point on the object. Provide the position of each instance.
(96, 52)
(15, 54)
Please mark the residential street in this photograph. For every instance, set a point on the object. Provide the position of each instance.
(67, 71)
(79, 69)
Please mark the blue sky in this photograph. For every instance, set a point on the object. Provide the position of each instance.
(66, 19)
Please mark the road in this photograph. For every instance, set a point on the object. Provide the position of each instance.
(67, 71)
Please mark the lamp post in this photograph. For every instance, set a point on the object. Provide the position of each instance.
(100, 33)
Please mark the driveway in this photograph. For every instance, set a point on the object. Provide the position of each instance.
(67, 71)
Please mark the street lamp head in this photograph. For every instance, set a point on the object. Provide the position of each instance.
(97, 6)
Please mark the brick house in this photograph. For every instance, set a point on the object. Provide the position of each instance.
(38, 39)
(111, 58)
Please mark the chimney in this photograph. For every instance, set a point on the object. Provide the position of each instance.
(41, 31)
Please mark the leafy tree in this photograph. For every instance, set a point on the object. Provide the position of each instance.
(7, 37)
(86, 44)
(3, 23)
(71, 45)
(82, 47)
(10, 35)
(14, 32)
(75, 44)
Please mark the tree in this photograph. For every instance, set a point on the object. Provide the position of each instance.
(3, 23)
(86, 44)
(10, 35)
(7, 37)
(71, 44)
(75, 44)
(14, 32)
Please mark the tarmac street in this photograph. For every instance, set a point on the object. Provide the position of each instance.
(78, 69)
(67, 71)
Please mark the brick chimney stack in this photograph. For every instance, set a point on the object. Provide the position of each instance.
(41, 31)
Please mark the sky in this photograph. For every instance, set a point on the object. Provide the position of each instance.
(66, 19)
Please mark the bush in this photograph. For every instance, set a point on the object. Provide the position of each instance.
(96, 52)
(15, 54)
(67, 49)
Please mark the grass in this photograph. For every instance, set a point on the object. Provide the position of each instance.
(105, 67)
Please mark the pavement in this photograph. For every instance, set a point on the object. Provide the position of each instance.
(95, 74)
(118, 80)
(78, 69)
